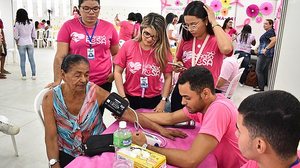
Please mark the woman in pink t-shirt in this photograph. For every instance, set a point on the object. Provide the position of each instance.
(145, 59)
(227, 27)
(90, 37)
(126, 27)
(204, 43)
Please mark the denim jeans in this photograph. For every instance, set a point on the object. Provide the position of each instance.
(245, 64)
(22, 51)
(262, 67)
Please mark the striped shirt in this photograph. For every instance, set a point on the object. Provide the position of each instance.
(74, 130)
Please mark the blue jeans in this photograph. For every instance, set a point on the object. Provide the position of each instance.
(22, 51)
(262, 67)
(245, 64)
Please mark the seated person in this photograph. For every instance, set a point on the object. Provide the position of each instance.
(230, 68)
(217, 116)
(71, 113)
(268, 130)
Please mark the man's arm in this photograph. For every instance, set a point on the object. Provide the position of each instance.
(167, 118)
(202, 145)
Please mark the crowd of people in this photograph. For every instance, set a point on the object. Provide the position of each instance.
(91, 54)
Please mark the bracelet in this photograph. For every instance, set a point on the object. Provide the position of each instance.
(164, 99)
(213, 26)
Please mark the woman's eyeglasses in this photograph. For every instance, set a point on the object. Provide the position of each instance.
(148, 35)
(87, 9)
(190, 27)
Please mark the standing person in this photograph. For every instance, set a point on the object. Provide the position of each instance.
(227, 27)
(137, 25)
(268, 130)
(217, 116)
(171, 20)
(243, 47)
(145, 59)
(204, 43)
(126, 27)
(93, 38)
(76, 12)
(265, 54)
(3, 53)
(24, 34)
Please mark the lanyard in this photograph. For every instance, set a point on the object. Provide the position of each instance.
(195, 57)
(143, 62)
(295, 163)
(90, 38)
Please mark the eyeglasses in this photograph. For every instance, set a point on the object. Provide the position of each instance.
(190, 27)
(87, 9)
(148, 35)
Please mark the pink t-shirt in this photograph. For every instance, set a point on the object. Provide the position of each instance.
(230, 68)
(126, 30)
(231, 32)
(211, 57)
(219, 121)
(138, 65)
(105, 36)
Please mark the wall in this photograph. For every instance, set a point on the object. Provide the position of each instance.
(288, 73)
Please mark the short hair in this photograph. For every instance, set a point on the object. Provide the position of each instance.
(131, 16)
(81, 1)
(138, 17)
(195, 8)
(199, 78)
(70, 60)
(271, 22)
(274, 116)
(169, 18)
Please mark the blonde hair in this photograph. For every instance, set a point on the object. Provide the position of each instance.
(161, 46)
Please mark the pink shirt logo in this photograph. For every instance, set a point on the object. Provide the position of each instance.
(205, 59)
(151, 70)
(77, 36)
(97, 40)
(134, 67)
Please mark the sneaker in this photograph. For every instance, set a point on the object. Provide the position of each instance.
(24, 78)
(7, 127)
(33, 77)
(241, 85)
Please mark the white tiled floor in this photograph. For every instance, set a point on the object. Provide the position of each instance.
(16, 103)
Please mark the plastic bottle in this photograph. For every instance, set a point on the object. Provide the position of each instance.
(122, 140)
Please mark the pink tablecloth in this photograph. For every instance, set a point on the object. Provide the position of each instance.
(106, 159)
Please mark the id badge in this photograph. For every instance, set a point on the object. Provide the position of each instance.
(144, 82)
(90, 53)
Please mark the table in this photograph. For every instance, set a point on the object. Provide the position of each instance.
(107, 159)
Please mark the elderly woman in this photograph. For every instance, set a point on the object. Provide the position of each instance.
(72, 115)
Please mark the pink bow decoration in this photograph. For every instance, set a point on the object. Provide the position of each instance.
(266, 8)
(246, 21)
(252, 10)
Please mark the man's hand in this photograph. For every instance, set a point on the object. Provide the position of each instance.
(160, 107)
(139, 138)
(172, 133)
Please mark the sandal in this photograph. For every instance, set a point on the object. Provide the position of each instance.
(6, 72)
(2, 77)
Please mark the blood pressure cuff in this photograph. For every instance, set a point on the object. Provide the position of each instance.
(97, 144)
(116, 104)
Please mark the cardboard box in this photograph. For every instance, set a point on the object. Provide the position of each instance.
(142, 158)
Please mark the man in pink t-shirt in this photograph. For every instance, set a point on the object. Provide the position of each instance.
(217, 116)
(268, 130)
(126, 27)
(230, 69)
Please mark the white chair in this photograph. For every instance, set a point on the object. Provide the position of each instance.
(40, 38)
(234, 82)
(50, 38)
(37, 105)
(240, 60)
(8, 125)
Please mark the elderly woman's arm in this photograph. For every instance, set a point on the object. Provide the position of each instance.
(50, 128)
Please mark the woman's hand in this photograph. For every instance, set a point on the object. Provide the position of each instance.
(179, 68)
(172, 133)
(160, 107)
(210, 14)
(110, 78)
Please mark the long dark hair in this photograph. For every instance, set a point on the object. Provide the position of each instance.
(225, 23)
(245, 33)
(196, 9)
(22, 16)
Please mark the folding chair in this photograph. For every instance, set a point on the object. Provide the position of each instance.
(37, 105)
(234, 82)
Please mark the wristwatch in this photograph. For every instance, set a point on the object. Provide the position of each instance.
(52, 162)
(164, 98)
